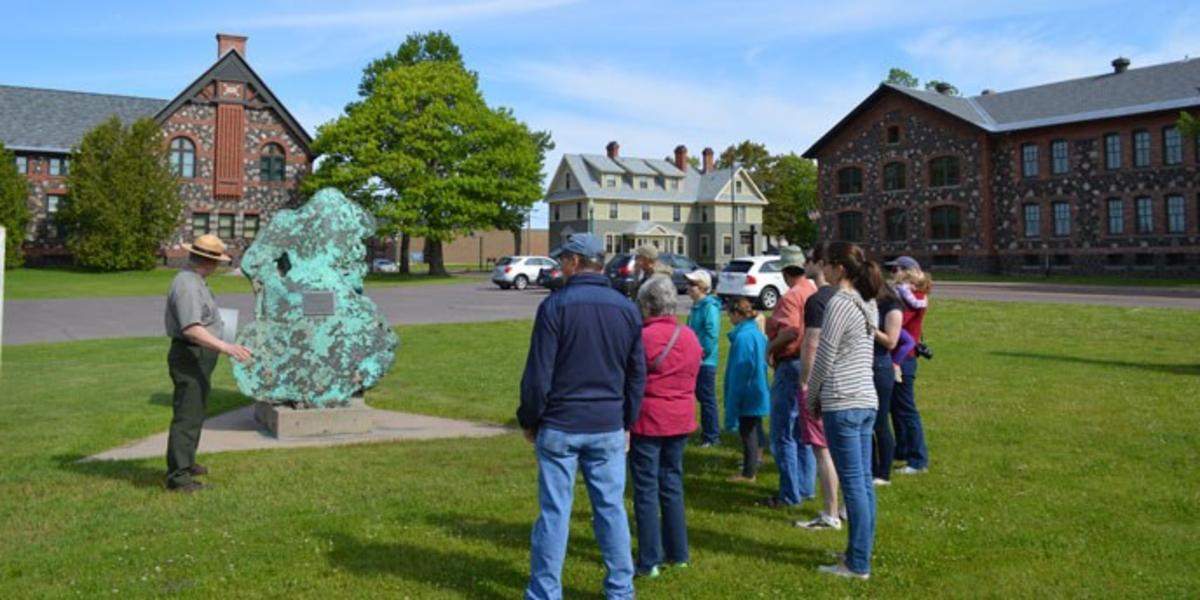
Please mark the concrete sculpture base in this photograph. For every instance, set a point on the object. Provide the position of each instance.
(286, 422)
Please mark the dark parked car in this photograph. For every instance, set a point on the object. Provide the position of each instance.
(622, 273)
(551, 278)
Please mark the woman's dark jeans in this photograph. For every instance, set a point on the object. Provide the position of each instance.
(706, 395)
(910, 434)
(657, 467)
(884, 445)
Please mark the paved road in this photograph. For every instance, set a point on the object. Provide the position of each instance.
(30, 321)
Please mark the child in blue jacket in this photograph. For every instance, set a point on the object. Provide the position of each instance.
(747, 399)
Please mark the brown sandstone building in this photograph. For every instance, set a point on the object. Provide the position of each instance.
(1083, 176)
(237, 151)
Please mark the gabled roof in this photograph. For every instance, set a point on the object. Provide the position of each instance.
(41, 120)
(1168, 86)
(232, 67)
(588, 172)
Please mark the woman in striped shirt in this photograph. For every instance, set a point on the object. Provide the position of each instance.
(842, 390)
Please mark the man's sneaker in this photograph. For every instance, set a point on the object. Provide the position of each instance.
(841, 570)
(707, 445)
(821, 521)
(881, 482)
(911, 471)
(650, 573)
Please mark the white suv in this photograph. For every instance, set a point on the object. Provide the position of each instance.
(756, 277)
(520, 271)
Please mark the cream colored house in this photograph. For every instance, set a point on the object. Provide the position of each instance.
(670, 204)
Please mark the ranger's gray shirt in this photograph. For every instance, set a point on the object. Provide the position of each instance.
(189, 302)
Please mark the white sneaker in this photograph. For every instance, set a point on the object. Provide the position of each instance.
(841, 570)
(845, 516)
(911, 471)
(821, 521)
(881, 482)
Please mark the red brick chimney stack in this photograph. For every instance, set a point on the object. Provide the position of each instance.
(228, 41)
(708, 160)
(613, 149)
(681, 158)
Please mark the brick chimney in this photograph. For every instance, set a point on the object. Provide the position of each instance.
(708, 160)
(613, 149)
(228, 41)
(1120, 64)
(681, 158)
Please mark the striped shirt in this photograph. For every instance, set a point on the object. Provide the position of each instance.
(842, 375)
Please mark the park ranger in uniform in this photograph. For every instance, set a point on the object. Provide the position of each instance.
(194, 326)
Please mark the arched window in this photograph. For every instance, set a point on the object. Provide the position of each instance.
(894, 177)
(183, 157)
(271, 164)
(850, 181)
(943, 171)
(946, 223)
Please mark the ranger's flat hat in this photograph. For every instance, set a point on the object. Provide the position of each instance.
(208, 246)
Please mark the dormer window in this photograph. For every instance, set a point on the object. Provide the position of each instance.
(568, 181)
(610, 181)
(673, 184)
(643, 183)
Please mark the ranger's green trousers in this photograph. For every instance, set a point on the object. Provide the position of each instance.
(191, 370)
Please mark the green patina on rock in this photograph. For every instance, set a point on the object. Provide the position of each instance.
(317, 340)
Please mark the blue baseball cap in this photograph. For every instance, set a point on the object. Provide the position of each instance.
(903, 262)
(583, 244)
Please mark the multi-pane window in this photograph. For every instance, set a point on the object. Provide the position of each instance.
(578, 210)
(182, 157)
(612, 210)
(271, 165)
(850, 226)
(672, 184)
(610, 181)
(557, 213)
(1172, 146)
(894, 176)
(1116, 216)
(54, 230)
(727, 245)
(249, 226)
(897, 224)
(60, 167)
(1062, 218)
(1033, 220)
(1141, 148)
(608, 244)
(645, 212)
(1176, 217)
(199, 224)
(1060, 162)
(567, 180)
(741, 214)
(737, 187)
(1112, 151)
(703, 214)
(225, 226)
(945, 222)
(679, 245)
(676, 213)
(943, 172)
(850, 181)
(1029, 160)
(704, 245)
(643, 183)
(1145, 215)
(22, 165)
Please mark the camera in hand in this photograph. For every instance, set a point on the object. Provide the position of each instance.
(924, 351)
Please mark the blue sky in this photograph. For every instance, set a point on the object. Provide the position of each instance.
(649, 74)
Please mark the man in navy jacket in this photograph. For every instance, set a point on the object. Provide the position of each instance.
(580, 394)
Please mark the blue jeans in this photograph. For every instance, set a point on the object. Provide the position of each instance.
(657, 467)
(794, 459)
(848, 433)
(601, 457)
(706, 394)
(885, 444)
(910, 434)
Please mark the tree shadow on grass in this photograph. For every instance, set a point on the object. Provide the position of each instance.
(134, 472)
(1170, 369)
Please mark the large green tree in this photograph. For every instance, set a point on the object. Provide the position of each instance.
(789, 183)
(124, 201)
(14, 208)
(426, 154)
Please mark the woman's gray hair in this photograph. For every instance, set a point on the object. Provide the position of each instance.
(657, 297)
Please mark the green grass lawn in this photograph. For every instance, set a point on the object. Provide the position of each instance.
(1103, 280)
(1064, 448)
(30, 284)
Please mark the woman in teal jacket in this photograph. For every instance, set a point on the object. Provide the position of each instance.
(747, 399)
(705, 320)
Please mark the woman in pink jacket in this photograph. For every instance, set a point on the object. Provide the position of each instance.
(660, 433)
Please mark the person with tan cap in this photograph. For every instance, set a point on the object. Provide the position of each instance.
(194, 326)
(646, 265)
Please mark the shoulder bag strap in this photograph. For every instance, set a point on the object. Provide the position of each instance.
(667, 350)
